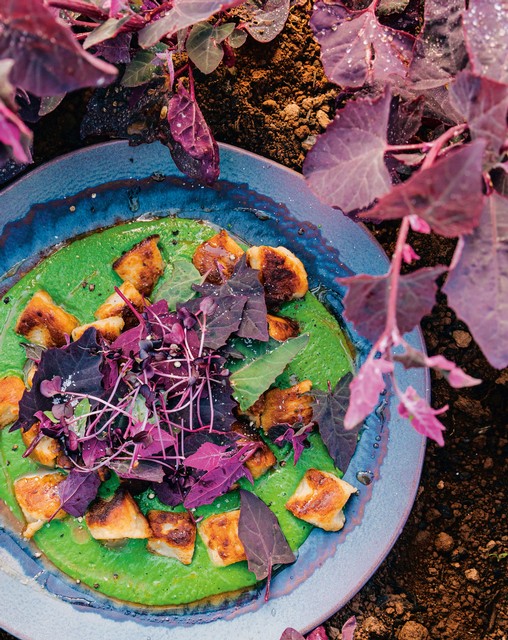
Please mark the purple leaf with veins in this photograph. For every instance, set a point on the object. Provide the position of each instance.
(356, 48)
(346, 166)
(366, 300)
(264, 20)
(477, 286)
(485, 32)
(193, 148)
(440, 51)
(244, 282)
(78, 366)
(183, 14)
(207, 457)
(484, 104)
(329, 409)
(448, 195)
(260, 533)
(48, 59)
(116, 50)
(77, 491)
(220, 480)
(421, 415)
(365, 388)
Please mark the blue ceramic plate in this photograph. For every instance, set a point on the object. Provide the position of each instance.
(263, 203)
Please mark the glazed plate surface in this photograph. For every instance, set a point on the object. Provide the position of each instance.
(262, 203)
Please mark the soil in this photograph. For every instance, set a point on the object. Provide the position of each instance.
(445, 577)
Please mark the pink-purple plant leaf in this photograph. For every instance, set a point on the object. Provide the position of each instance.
(485, 32)
(77, 491)
(329, 410)
(291, 634)
(366, 301)
(476, 287)
(298, 439)
(260, 533)
(448, 195)
(484, 105)
(106, 31)
(15, 137)
(220, 480)
(365, 389)
(422, 416)
(264, 20)
(244, 282)
(194, 148)
(348, 629)
(207, 457)
(183, 14)
(319, 633)
(48, 59)
(455, 376)
(356, 48)
(346, 166)
(440, 50)
(78, 364)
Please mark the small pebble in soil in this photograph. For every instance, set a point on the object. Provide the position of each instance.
(444, 543)
(374, 627)
(472, 575)
(413, 631)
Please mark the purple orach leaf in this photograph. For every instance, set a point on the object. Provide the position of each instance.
(260, 533)
(207, 458)
(92, 451)
(485, 32)
(366, 388)
(49, 104)
(15, 137)
(476, 287)
(348, 629)
(106, 31)
(50, 388)
(456, 378)
(194, 148)
(264, 20)
(319, 633)
(220, 480)
(439, 52)
(183, 14)
(78, 366)
(405, 120)
(421, 415)
(356, 48)
(329, 410)
(142, 470)
(77, 491)
(116, 50)
(346, 166)
(244, 282)
(448, 195)
(367, 299)
(48, 59)
(291, 634)
(297, 438)
(220, 410)
(225, 321)
(483, 103)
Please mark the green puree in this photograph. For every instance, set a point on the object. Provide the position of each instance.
(129, 572)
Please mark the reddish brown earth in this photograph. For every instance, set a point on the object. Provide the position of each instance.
(445, 577)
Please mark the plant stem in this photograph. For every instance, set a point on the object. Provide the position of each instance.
(440, 142)
(391, 318)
